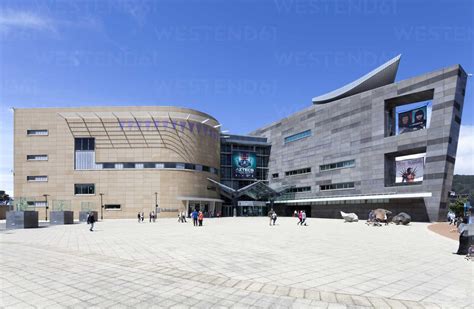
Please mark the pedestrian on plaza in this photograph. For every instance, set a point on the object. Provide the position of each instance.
(194, 214)
(180, 219)
(295, 213)
(183, 217)
(270, 213)
(139, 217)
(142, 216)
(300, 217)
(150, 216)
(274, 217)
(200, 218)
(153, 215)
(303, 218)
(91, 220)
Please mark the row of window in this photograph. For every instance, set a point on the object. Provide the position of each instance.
(86, 143)
(37, 132)
(325, 167)
(161, 165)
(298, 189)
(84, 188)
(298, 171)
(40, 157)
(42, 178)
(297, 136)
(337, 186)
(337, 165)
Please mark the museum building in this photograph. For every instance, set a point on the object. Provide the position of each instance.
(373, 143)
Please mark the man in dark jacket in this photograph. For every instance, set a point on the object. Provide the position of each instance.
(91, 221)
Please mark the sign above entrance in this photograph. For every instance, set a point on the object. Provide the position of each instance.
(251, 203)
(244, 164)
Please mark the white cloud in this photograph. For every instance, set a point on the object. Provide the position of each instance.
(464, 158)
(11, 20)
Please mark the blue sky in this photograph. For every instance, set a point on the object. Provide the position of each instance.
(247, 63)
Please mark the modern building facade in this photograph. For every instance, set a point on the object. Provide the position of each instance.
(371, 144)
(126, 159)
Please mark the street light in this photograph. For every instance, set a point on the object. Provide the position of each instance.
(101, 207)
(46, 212)
(156, 203)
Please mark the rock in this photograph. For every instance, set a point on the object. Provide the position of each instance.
(349, 217)
(402, 218)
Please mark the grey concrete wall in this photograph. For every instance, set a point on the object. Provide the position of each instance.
(354, 128)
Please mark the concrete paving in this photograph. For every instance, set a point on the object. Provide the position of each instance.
(232, 262)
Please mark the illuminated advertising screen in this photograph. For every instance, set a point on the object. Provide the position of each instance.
(412, 120)
(244, 164)
(409, 169)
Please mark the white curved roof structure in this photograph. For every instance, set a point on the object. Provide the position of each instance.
(381, 76)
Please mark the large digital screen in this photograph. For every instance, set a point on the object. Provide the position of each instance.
(244, 164)
(409, 169)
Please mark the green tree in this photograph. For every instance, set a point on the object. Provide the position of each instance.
(458, 206)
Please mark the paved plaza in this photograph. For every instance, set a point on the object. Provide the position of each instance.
(232, 262)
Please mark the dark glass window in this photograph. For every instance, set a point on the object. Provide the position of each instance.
(149, 165)
(84, 188)
(129, 165)
(84, 143)
(275, 175)
(299, 189)
(108, 165)
(170, 165)
(112, 207)
(298, 171)
(337, 186)
(189, 166)
(206, 168)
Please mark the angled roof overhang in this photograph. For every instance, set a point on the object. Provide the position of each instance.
(381, 76)
(256, 190)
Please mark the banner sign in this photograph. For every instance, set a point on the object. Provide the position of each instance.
(412, 120)
(410, 170)
(244, 164)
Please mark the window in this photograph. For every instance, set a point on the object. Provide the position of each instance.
(86, 188)
(170, 165)
(297, 136)
(298, 171)
(298, 189)
(337, 165)
(180, 166)
(112, 207)
(37, 132)
(108, 165)
(84, 144)
(37, 203)
(37, 157)
(337, 186)
(36, 178)
(275, 175)
(149, 165)
(128, 165)
(206, 168)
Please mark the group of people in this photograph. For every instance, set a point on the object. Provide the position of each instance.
(182, 217)
(151, 216)
(198, 217)
(272, 215)
(301, 217)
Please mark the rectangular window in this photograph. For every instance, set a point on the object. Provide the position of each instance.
(37, 178)
(37, 157)
(160, 165)
(84, 188)
(37, 132)
(170, 165)
(206, 168)
(149, 165)
(337, 186)
(337, 165)
(275, 175)
(37, 203)
(128, 165)
(180, 166)
(112, 207)
(84, 143)
(298, 171)
(108, 165)
(299, 189)
(297, 136)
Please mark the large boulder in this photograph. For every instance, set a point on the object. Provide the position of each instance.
(401, 218)
(349, 217)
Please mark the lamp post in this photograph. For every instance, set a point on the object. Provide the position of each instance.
(156, 203)
(47, 206)
(101, 207)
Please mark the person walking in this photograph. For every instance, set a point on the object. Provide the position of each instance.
(270, 215)
(300, 217)
(91, 221)
(142, 216)
(153, 215)
(194, 214)
(139, 217)
(183, 217)
(150, 216)
(200, 218)
(274, 217)
(295, 213)
(303, 218)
